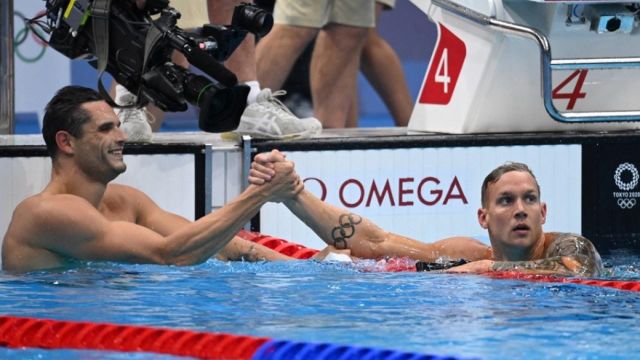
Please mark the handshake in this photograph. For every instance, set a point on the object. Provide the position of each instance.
(277, 174)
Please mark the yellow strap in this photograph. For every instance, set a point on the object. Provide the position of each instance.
(67, 12)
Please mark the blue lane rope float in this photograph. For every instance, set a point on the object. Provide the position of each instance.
(285, 350)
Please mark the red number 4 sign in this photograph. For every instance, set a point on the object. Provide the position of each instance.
(574, 95)
(445, 69)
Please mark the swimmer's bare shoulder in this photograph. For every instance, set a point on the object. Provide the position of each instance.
(578, 253)
(22, 244)
(14, 244)
(564, 254)
(43, 223)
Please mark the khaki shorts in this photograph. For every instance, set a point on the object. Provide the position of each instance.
(318, 13)
(194, 13)
(388, 4)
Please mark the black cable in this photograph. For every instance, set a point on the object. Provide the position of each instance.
(432, 266)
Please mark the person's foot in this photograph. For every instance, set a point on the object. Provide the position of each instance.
(134, 121)
(269, 118)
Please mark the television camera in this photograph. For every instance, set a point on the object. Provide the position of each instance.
(134, 45)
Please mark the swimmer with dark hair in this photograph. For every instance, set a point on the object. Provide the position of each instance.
(81, 215)
(511, 211)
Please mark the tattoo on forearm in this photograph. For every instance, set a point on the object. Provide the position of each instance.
(346, 228)
(566, 248)
(551, 265)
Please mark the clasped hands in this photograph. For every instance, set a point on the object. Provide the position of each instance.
(272, 169)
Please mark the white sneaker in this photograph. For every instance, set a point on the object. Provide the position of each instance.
(269, 118)
(134, 121)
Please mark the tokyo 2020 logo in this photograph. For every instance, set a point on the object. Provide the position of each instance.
(626, 179)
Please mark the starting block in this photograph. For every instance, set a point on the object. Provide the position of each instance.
(530, 66)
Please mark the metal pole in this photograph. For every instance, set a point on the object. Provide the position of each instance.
(246, 167)
(7, 80)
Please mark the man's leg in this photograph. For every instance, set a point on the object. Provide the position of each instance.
(382, 68)
(275, 55)
(354, 110)
(334, 67)
(243, 60)
(278, 51)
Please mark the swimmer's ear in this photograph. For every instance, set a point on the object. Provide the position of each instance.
(64, 142)
(482, 218)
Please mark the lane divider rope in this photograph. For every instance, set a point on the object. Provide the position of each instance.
(627, 285)
(22, 332)
(17, 332)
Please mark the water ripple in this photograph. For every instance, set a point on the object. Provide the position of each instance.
(460, 315)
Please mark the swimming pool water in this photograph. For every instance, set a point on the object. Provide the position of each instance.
(458, 315)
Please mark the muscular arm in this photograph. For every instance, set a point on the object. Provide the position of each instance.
(567, 254)
(342, 229)
(337, 227)
(151, 216)
(67, 226)
(71, 227)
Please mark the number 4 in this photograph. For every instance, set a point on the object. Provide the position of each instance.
(444, 69)
(575, 94)
(442, 72)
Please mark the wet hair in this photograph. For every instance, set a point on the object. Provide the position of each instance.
(497, 173)
(64, 112)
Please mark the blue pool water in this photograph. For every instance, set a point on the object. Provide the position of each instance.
(458, 315)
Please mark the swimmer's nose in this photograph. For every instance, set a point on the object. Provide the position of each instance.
(521, 214)
(123, 135)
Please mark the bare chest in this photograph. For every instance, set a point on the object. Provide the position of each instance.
(118, 212)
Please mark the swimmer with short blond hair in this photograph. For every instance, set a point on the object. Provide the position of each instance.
(511, 211)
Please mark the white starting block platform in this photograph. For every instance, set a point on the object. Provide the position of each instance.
(422, 185)
(530, 65)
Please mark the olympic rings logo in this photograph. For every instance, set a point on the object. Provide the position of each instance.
(626, 186)
(21, 37)
(626, 203)
(345, 230)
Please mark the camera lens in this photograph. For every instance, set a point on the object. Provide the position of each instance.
(222, 108)
(253, 19)
(613, 24)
